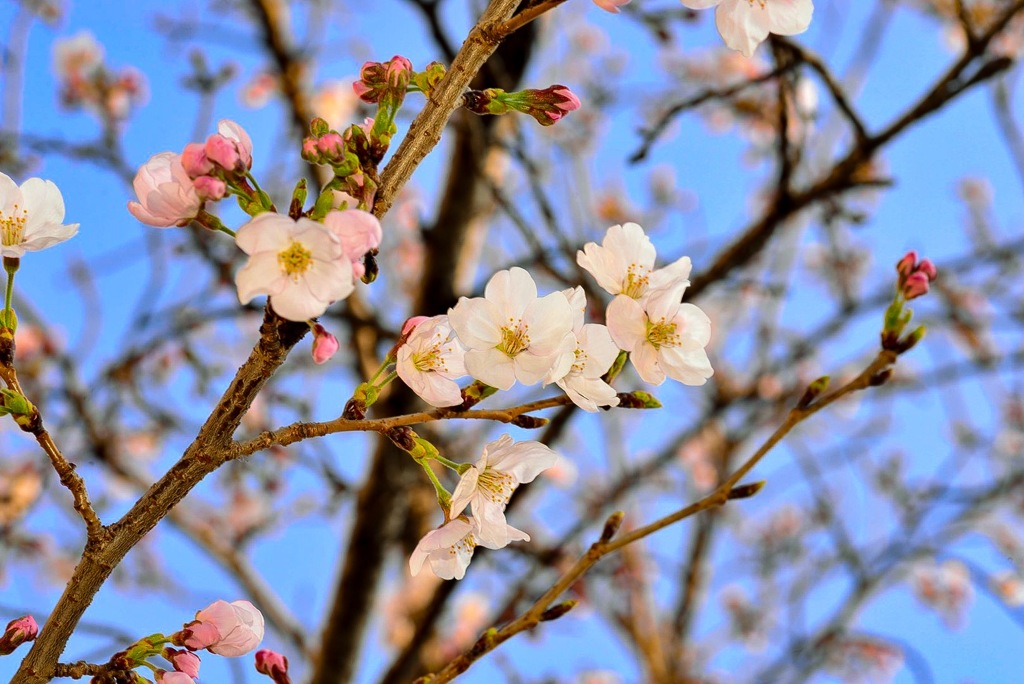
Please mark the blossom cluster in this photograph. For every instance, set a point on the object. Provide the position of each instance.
(485, 488)
(226, 629)
(87, 82)
(513, 335)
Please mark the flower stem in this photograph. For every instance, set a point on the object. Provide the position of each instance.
(457, 467)
(443, 496)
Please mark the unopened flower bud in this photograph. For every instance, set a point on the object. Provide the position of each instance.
(325, 345)
(427, 79)
(194, 160)
(273, 664)
(331, 146)
(916, 285)
(183, 661)
(18, 632)
(398, 72)
(529, 422)
(210, 188)
(319, 127)
(165, 677)
(905, 266)
(310, 152)
(558, 610)
(223, 152)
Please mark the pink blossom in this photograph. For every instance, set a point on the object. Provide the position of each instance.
(272, 664)
(227, 629)
(359, 232)
(325, 345)
(183, 661)
(18, 631)
(166, 194)
(165, 677)
(611, 5)
(430, 360)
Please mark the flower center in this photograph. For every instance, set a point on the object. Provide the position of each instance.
(295, 260)
(581, 361)
(515, 337)
(465, 545)
(496, 486)
(662, 334)
(12, 228)
(637, 279)
(430, 359)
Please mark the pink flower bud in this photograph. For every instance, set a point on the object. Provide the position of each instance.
(905, 266)
(194, 161)
(411, 324)
(236, 134)
(183, 661)
(273, 665)
(331, 145)
(928, 268)
(223, 152)
(227, 629)
(165, 677)
(210, 188)
(309, 150)
(915, 286)
(361, 90)
(398, 72)
(18, 632)
(325, 345)
(165, 192)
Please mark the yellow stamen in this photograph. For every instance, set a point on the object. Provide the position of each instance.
(12, 228)
(496, 486)
(662, 334)
(515, 337)
(295, 260)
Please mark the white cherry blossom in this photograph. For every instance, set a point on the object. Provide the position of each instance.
(449, 548)
(31, 216)
(488, 485)
(663, 336)
(744, 24)
(593, 356)
(430, 360)
(511, 334)
(624, 263)
(300, 264)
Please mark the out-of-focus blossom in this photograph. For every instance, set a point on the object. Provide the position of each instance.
(861, 658)
(511, 334)
(20, 487)
(744, 24)
(611, 5)
(359, 232)
(227, 629)
(31, 216)
(335, 102)
(166, 194)
(946, 588)
(76, 57)
(1009, 586)
(300, 264)
(430, 360)
(17, 632)
(487, 486)
(85, 81)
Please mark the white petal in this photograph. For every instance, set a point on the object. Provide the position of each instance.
(589, 393)
(329, 281)
(44, 203)
(645, 360)
(523, 460)
(492, 367)
(296, 303)
(512, 291)
(49, 235)
(789, 17)
(627, 322)
(700, 4)
(267, 232)
(261, 275)
(465, 492)
(531, 368)
(693, 323)
(549, 320)
(477, 323)
(742, 25)
(492, 530)
(578, 305)
(687, 364)
(596, 341)
(678, 272)
(10, 194)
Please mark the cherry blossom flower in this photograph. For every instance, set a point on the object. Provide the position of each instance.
(593, 356)
(489, 484)
(227, 629)
(624, 263)
(76, 57)
(744, 24)
(449, 548)
(430, 360)
(511, 334)
(166, 194)
(31, 216)
(359, 232)
(300, 264)
(663, 336)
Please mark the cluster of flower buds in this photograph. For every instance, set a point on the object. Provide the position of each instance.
(227, 629)
(86, 82)
(547, 106)
(914, 276)
(172, 188)
(18, 632)
(380, 81)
